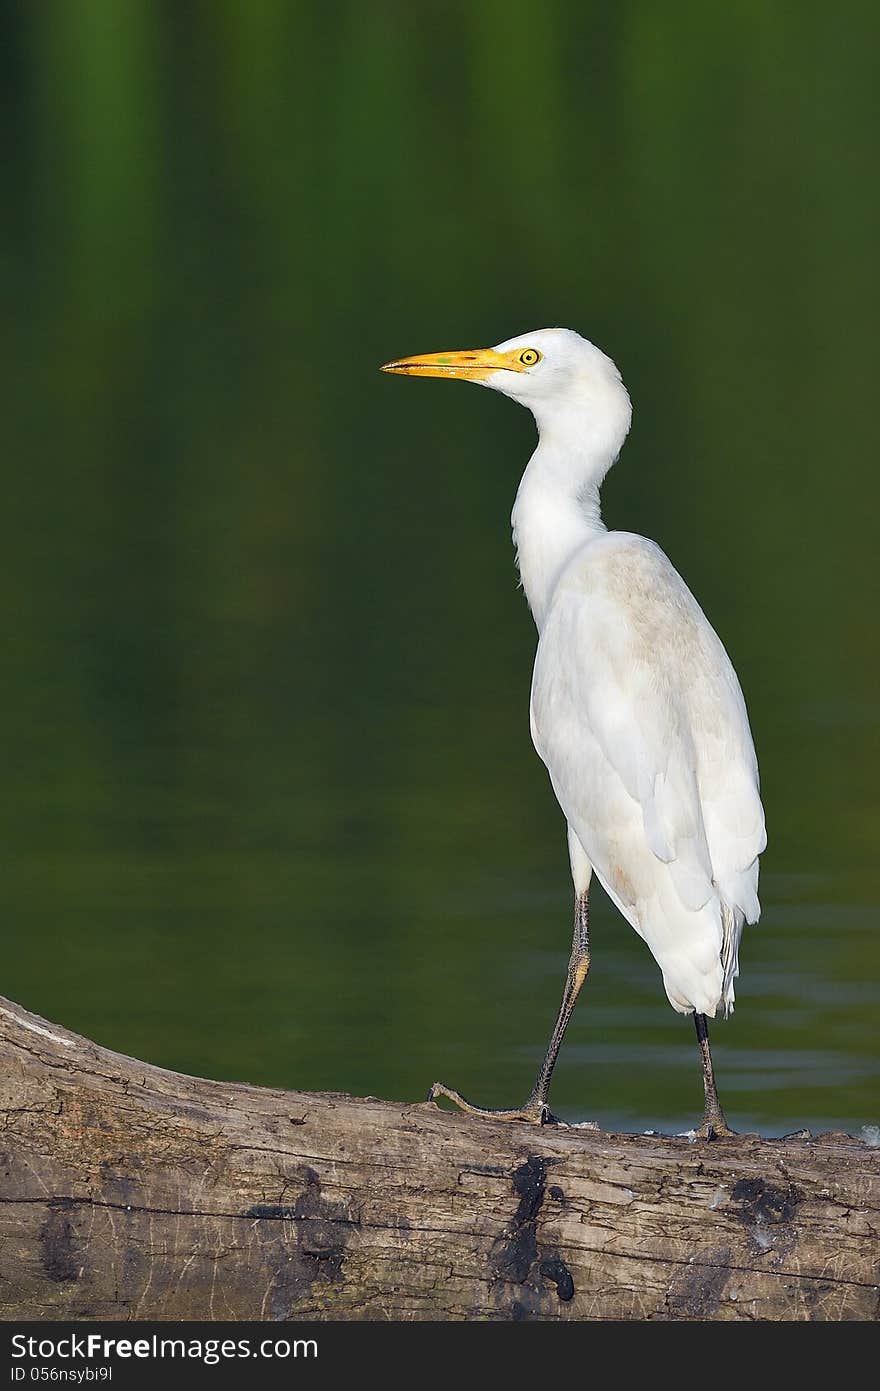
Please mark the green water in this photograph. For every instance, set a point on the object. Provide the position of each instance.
(270, 805)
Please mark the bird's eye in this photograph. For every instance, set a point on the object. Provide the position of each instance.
(529, 356)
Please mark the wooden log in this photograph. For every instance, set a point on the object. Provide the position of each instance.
(129, 1192)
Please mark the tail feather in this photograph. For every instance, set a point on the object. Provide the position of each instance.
(732, 921)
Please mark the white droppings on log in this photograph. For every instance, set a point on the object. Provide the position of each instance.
(28, 1022)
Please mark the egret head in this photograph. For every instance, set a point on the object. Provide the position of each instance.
(566, 381)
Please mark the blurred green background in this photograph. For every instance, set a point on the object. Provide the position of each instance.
(270, 806)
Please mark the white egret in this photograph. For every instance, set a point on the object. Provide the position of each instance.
(636, 709)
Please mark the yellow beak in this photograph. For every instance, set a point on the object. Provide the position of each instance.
(474, 366)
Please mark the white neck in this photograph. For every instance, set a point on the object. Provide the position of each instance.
(557, 506)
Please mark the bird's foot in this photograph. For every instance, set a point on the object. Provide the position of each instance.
(535, 1111)
(714, 1128)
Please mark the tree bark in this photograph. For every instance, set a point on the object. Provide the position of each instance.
(129, 1192)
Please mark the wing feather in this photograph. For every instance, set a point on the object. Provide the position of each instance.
(639, 717)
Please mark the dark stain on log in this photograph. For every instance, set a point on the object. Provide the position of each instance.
(557, 1194)
(697, 1291)
(272, 1212)
(557, 1271)
(56, 1241)
(310, 1251)
(516, 1258)
(765, 1202)
(520, 1241)
(401, 1225)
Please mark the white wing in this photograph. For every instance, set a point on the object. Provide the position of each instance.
(639, 717)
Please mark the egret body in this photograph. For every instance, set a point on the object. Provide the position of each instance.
(636, 709)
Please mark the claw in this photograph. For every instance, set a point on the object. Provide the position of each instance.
(714, 1130)
(533, 1113)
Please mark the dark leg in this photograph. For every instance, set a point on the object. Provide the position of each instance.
(714, 1125)
(536, 1109)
